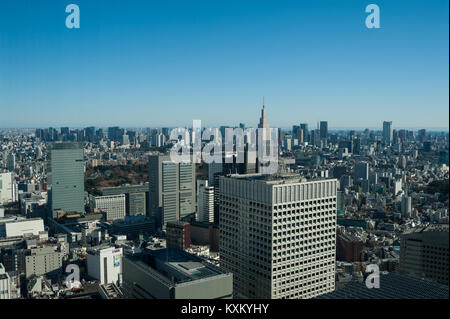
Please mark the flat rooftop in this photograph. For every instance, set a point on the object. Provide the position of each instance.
(428, 228)
(177, 264)
(276, 178)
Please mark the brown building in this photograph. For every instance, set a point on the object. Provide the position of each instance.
(178, 235)
(348, 248)
(204, 233)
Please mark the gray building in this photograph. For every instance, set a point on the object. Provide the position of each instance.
(43, 261)
(387, 132)
(278, 235)
(361, 171)
(174, 274)
(136, 197)
(66, 178)
(323, 130)
(171, 189)
(424, 253)
(5, 284)
(113, 206)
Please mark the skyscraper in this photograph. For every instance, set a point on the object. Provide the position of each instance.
(205, 201)
(387, 132)
(361, 171)
(171, 189)
(11, 162)
(323, 130)
(278, 235)
(304, 127)
(66, 178)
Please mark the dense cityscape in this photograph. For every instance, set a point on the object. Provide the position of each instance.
(110, 203)
(224, 159)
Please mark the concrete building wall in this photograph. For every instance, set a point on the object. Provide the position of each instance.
(278, 237)
(105, 265)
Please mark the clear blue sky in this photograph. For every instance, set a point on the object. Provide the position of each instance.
(165, 63)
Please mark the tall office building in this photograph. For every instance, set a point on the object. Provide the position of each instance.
(387, 132)
(11, 162)
(205, 201)
(278, 235)
(66, 178)
(296, 132)
(5, 283)
(264, 129)
(6, 188)
(304, 128)
(424, 252)
(323, 130)
(361, 171)
(406, 206)
(171, 189)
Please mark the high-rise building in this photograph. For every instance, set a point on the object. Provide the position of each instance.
(296, 132)
(387, 132)
(6, 188)
(5, 284)
(278, 235)
(11, 162)
(323, 130)
(361, 171)
(66, 177)
(304, 128)
(264, 129)
(205, 201)
(171, 189)
(424, 252)
(406, 206)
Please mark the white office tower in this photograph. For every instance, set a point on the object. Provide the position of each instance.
(397, 186)
(278, 235)
(205, 201)
(105, 265)
(5, 284)
(6, 188)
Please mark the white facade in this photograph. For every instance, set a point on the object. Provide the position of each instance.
(205, 201)
(397, 186)
(20, 227)
(5, 284)
(6, 188)
(112, 205)
(278, 237)
(105, 265)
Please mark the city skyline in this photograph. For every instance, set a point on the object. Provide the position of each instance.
(165, 66)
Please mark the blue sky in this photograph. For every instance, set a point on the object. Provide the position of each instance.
(165, 63)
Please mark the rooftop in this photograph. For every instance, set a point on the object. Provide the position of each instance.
(288, 178)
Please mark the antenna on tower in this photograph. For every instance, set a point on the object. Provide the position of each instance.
(263, 101)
